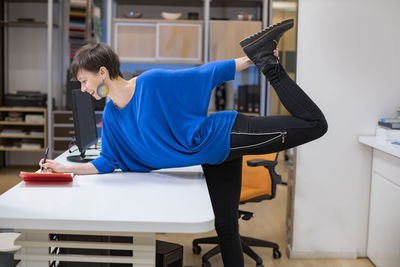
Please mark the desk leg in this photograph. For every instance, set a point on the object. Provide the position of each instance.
(144, 240)
(30, 257)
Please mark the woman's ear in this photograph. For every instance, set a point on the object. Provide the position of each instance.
(103, 71)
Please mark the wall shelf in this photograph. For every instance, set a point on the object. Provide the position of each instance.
(21, 136)
(22, 109)
(33, 24)
(245, 3)
(12, 141)
(30, 1)
(22, 149)
(20, 123)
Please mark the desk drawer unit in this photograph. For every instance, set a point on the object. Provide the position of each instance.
(39, 250)
(64, 129)
(384, 218)
(63, 117)
(63, 123)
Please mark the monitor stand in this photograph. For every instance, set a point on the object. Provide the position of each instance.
(82, 158)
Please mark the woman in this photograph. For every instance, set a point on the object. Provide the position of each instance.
(159, 120)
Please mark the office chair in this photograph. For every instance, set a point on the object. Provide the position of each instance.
(258, 184)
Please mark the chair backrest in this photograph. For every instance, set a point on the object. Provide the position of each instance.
(256, 181)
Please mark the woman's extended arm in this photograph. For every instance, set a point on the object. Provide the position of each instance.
(242, 63)
(85, 168)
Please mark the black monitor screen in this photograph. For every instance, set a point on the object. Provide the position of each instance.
(84, 124)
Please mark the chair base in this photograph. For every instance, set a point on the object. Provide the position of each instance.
(247, 242)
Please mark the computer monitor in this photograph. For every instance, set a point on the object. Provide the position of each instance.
(84, 124)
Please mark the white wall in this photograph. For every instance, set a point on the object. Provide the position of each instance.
(348, 62)
(27, 60)
(27, 50)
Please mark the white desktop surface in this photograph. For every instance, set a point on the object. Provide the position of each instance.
(371, 141)
(170, 200)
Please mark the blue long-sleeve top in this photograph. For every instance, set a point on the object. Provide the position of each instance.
(165, 124)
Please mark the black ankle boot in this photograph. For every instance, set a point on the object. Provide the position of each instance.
(260, 46)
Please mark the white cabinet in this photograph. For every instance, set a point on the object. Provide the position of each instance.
(384, 223)
(384, 217)
(145, 40)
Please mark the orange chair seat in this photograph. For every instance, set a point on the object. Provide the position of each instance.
(249, 192)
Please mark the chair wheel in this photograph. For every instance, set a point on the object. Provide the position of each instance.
(196, 249)
(259, 265)
(206, 264)
(276, 254)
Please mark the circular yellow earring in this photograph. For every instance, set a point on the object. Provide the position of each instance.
(102, 90)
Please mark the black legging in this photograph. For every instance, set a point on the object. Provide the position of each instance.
(254, 136)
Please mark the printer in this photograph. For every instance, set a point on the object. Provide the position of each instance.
(26, 99)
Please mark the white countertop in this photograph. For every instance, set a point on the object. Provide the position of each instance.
(171, 200)
(385, 147)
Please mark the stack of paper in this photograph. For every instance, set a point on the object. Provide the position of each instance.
(36, 133)
(12, 132)
(387, 135)
(34, 118)
(31, 146)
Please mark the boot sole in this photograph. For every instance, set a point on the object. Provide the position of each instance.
(260, 35)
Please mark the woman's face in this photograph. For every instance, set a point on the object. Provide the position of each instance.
(89, 82)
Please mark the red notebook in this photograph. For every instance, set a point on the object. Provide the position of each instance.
(46, 177)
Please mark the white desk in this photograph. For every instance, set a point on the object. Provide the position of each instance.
(384, 214)
(116, 204)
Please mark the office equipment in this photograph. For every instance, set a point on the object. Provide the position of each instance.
(390, 124)
(46, 177)
(193, 15)
(126, 204)
(84, 124)
(249, 98)
(168, 254)
(26, 99)
(45, 158)
(253, 98)
(63, 129)
(220, 97)
(71, 85)
(258, 184)
(242, 98)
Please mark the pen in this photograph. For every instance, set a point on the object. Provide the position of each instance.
(44, 160)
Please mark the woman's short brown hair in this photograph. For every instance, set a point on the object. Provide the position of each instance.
(92, 56)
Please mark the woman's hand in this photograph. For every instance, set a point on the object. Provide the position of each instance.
(243, 63)
(276, 53)
(52, 166)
